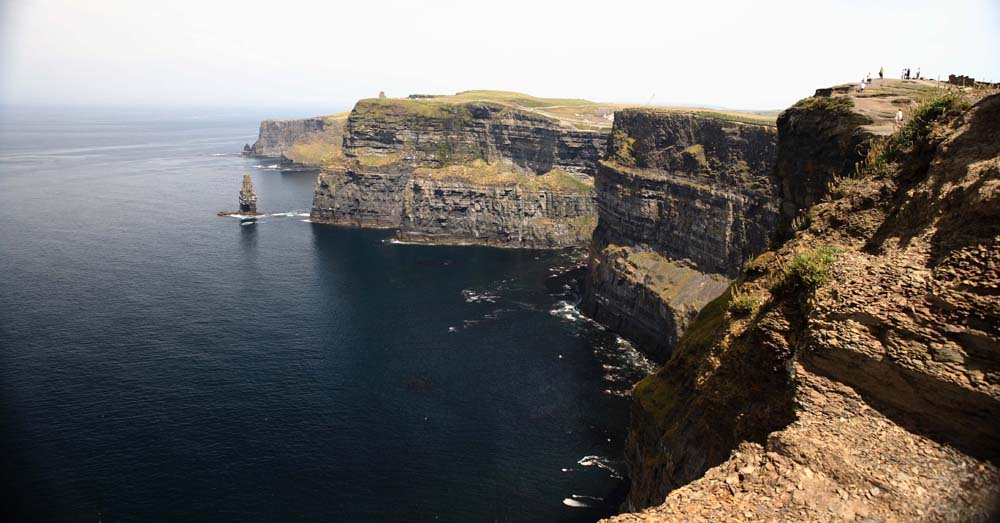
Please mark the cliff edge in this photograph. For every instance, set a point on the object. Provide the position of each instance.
(496, 171)
(684, 199)
(853, 373)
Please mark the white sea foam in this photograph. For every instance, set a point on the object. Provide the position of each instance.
(248, 223)
(479, 297)
(570, 502)
(602, 463)
(306, 220)
(570, 312)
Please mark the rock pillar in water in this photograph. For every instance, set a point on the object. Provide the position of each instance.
(248, 198)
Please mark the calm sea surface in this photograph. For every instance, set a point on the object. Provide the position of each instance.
(160, 363)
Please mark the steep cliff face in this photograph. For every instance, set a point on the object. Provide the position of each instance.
(304, 141)
(684, 201)
(428, 134)
(276, 137)
(470, 172)
(823, 138)
(356, 198)
(854, 372)
(457, 211)
(248, 198)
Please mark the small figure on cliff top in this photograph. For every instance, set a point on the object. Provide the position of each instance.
(861, 88)
(868, 79)
(918, 74)
(881, 72)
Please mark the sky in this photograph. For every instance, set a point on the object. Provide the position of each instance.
(325, 55)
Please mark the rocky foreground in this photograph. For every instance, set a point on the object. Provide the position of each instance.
(853, 372)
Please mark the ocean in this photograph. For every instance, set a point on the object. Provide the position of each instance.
(161, 363)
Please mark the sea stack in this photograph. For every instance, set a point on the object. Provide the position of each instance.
(248, 198)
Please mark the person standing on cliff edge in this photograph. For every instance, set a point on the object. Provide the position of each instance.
(881, 71)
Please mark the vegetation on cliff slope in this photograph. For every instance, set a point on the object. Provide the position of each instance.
(838, 351)
(318, 148)
(501, 174)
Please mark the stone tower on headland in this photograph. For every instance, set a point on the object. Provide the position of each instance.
(248, 198)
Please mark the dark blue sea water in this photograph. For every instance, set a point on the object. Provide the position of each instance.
(160, 363)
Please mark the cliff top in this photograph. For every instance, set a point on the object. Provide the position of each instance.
(335, 117)
(852, 371)
(577, 113)
(882, 98)
(766, 118)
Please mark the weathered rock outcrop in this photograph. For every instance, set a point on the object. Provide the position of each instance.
(248, 198)
(304, 142)
(684, 201)
(854, 372)
(276, 137)
(825, 136)
(470, 172)
(459, 211)
(425, 133)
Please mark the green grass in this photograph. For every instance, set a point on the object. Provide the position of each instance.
(841, 104)
(505, 175)
(621, 147)
(431, 108)
(807, 271)
(732, 116)
(658, 395)
(918, 126)
(744, 303)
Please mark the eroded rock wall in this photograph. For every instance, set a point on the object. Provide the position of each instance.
(435, 135)
(696, 191)
(458, 212)
(276, 137)
(389, 143)
(851, 373)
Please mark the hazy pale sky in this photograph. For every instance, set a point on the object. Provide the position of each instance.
(742, 54)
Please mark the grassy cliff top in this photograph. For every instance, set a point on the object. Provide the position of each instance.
(500, 174)
(879, 102)
(571, 112)
(767, 118)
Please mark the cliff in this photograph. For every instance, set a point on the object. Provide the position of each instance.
(451, 206)
(823, 138)
(305, 141)
(851, 373)
(491, 171)
(684, 200)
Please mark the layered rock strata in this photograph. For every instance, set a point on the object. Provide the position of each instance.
(276, 137)
(684, 201)
(825, 136)
(458, 211)
(300, 143)
(474, 172)
(853, 373)
(248, 198)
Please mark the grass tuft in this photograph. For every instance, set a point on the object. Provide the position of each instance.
(807, 271)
